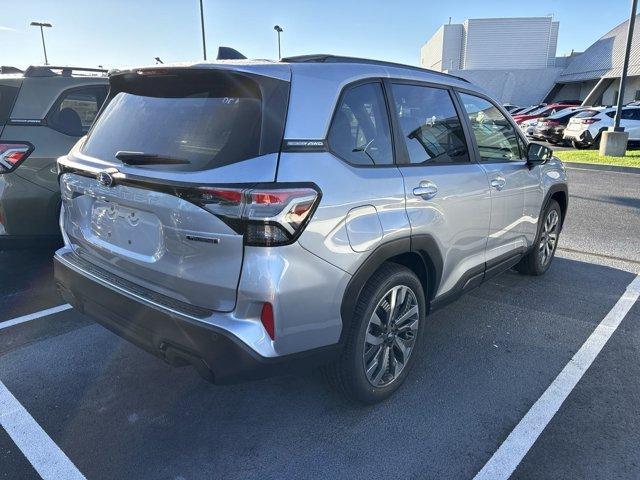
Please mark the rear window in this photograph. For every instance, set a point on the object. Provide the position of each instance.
(209, 119)
(8, 96)
(587, 114)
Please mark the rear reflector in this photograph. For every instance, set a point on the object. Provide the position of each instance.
(12, 154)
(266, 317)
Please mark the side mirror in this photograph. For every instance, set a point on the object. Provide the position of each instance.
(538, 154)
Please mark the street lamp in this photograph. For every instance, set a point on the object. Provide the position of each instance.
(41, 25)
(279, 30)
(614, 140)
(204, 45)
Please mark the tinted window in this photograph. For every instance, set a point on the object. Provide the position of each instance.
(496, 138)
(7, 98)
(360, 131)
(208, 119)
(630, 114)
(587, 114)
(430, 125)
(76, 109)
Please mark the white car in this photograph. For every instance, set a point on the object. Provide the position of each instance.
(528, 126)
(584, 129)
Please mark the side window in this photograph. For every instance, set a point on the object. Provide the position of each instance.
(360, 132)
(496, 138)
(430, 125)
(76, 109)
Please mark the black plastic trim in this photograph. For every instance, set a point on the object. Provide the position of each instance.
(216, 354)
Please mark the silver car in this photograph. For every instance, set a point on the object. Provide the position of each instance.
(252, 217)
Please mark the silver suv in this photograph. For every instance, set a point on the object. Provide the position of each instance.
(253, 217)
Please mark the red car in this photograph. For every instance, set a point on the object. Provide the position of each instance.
(542, 112)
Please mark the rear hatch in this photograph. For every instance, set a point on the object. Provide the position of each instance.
(167, 142)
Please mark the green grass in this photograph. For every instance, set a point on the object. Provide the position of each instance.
(632, 158)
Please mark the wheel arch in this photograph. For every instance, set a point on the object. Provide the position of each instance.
(420, 254)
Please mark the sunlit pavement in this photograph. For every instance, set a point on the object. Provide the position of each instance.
(118, 412)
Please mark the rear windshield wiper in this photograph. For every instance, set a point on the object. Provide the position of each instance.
(141, 158)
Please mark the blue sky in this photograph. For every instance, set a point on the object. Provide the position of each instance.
(118, 32)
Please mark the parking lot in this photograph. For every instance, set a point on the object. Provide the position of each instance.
(117, 412)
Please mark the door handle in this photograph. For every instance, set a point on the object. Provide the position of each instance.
(498, 182)
(426, 190)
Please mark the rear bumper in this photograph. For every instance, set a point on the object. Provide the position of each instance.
(216, 354)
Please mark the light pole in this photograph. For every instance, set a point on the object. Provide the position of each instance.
(279, 30)
(41, 25)
(204, 44)
(613, 141)
(625, 65)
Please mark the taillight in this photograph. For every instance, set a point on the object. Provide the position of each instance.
(12, 154)
(589, 121)
(266, 216)
(551, 123)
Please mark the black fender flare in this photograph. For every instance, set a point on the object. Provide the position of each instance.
(423, 245)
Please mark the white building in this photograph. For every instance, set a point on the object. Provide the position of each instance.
(493, 44)
(513, 58)
(593, 76)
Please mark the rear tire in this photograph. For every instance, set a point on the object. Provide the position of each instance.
(538, 260)
(381, 346)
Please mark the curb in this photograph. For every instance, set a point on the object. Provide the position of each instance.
(596, 166)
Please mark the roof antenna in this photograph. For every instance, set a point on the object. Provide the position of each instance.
(228, 53)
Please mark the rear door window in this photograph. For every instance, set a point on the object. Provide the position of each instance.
(207, 119)
(76, 109)
(430, 126)
(360, 132)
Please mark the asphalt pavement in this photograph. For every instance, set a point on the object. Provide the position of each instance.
(118, 412)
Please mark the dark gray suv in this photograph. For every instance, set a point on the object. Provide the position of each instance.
(249, 217)
(43, 113)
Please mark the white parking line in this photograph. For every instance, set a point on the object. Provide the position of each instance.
(33, 316)
(44, 455)
(505, 460)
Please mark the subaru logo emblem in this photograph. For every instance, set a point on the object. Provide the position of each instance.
(105, 179)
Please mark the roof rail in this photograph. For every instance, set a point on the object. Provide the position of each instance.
(48, 70)
(328, 58)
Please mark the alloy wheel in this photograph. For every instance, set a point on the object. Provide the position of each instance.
(391, 334)
(548, 237)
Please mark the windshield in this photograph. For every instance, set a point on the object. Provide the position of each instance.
(207, 120)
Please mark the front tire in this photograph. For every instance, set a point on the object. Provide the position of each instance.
(384, 337)
(579, 145)
(539, 258)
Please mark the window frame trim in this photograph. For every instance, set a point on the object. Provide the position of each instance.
(47, 118)
(518, 132)
(343, 92)
(403, 156)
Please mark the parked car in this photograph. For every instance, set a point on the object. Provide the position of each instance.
(551, 129)
(528, 109)
(252, 217)
(542, 112)
(584, 129)
(510, 107)
(528, 126)
(43, 113)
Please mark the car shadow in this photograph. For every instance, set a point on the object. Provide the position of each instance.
(119, 412)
